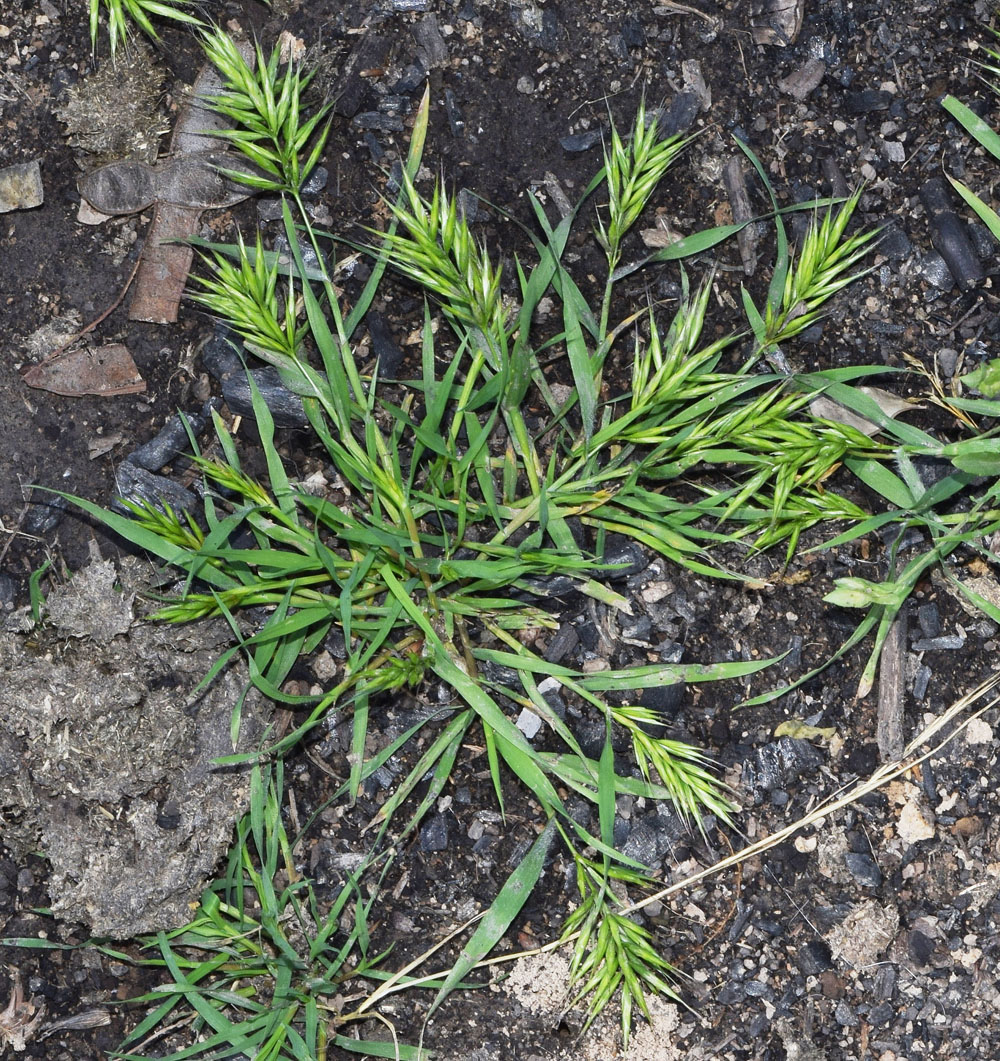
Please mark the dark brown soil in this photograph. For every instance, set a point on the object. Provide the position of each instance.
(509, 79)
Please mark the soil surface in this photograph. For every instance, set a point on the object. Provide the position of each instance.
(873, 935)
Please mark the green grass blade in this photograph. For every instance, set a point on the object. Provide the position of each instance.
(498, 917)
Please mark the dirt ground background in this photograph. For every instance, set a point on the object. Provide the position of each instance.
(872, 937)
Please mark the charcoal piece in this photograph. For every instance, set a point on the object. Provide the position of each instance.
(628, 558)
(663, 700)
(411, 79)
(392, 104)
(286, 408)
(920, 947)
(680, 114)
(778, 763)
(731, 993)
(221, 354)
(375, 149)
(384, 347)
(929, 618)
(384, 123)
(814, 957)
(653, 837)
(868, 100)
(563, 642)
(578, 142)
(934, 269)
(548, 585)
(45, 512)
(938, 644)
(468, 206)
(880, 1016)
(885, 980)
(538, 25)
(371, 53)
(834, 176)
(172, 439)
(863, 869)
(434, 834)
(454, 112)
(983, 240)
(949, 235)
(432, 48)
(894, 243)
(633, 34)
(142, 487)
(641, 629)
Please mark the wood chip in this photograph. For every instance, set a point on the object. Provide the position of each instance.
(776, 22)
(889, 729)
(106, 370)
(803, 79)
(734, 179)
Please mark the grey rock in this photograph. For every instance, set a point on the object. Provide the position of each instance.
(844, 1015)
(315, 182)
(269, 209)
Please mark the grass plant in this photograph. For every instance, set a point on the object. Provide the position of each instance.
(122, 15)
(459, 512)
